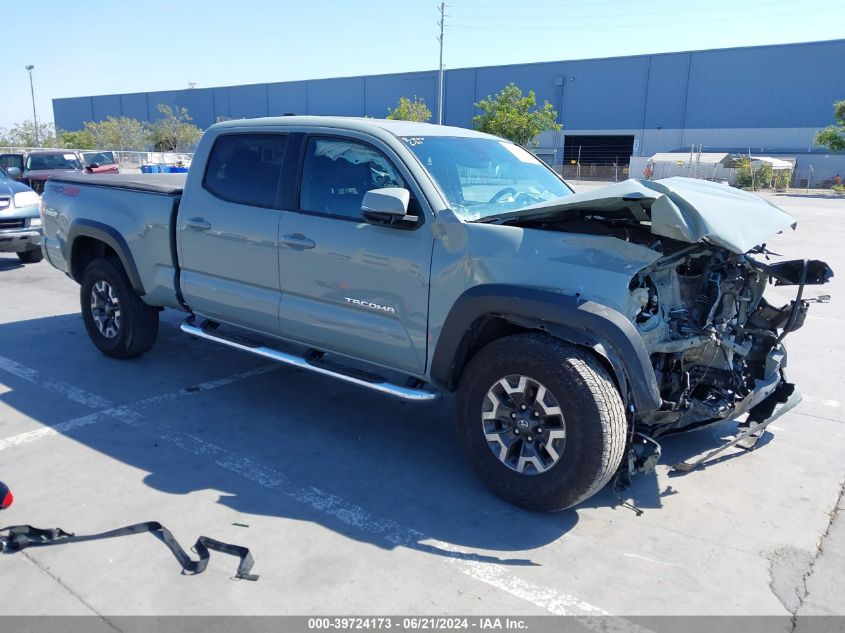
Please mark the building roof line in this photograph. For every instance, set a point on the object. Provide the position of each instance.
(469, 68)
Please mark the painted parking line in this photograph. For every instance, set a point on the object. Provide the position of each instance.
(825, 401)
(355, 516)
(492, 574)
(70, 392)
(122, 411)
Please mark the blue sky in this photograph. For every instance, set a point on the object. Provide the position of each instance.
(101, 47)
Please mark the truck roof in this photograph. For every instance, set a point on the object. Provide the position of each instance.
(51, 152)
(360, 124)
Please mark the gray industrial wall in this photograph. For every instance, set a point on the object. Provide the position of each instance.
(769, 99)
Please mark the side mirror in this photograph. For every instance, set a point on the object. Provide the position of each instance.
(93, 165)
(13, 172)
(388, 207)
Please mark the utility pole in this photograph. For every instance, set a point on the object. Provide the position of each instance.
(29, 69)
(440, 72)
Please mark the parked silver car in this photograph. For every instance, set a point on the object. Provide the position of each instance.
(20, 222)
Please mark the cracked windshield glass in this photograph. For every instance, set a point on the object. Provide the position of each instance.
(481, 177)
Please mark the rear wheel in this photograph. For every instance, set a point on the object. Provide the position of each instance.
(117, 321)
(31, 257)
(541, 421)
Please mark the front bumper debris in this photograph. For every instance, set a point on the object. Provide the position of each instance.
(746, 439)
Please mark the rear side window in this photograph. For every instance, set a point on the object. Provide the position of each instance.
(11, 160)
(101, 158)
(337, 173)
(245, 168)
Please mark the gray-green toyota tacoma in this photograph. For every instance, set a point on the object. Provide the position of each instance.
(415, 259)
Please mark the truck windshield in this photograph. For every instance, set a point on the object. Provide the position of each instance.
(481, 177)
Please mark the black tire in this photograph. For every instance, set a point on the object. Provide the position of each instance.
(134, 330)
(31, 257)
(593, 421)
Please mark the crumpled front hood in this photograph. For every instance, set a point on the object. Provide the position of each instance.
(684, 209)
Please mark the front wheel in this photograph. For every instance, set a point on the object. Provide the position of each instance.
(117, 321)
(541, 421)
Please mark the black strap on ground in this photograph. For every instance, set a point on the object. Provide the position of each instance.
(22, 536)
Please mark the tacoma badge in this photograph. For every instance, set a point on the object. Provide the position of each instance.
(371, 305)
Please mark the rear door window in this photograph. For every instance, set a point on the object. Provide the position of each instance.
(245, 168)
(338, 172)
(11, 160)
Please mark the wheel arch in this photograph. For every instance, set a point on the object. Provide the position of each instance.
(488, 312)
(88, 240)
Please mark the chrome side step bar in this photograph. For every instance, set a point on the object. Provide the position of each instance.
(405, 393)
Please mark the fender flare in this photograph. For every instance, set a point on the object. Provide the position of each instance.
(110, 236)
(567, 317)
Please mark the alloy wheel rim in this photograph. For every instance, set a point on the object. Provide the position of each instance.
(105, 309)
(523, 424)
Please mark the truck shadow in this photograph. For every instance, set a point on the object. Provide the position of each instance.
(824, 195)
(10, 263)
(289, 444)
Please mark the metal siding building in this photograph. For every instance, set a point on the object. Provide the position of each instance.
(729, 99)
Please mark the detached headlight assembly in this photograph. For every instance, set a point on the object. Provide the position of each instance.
(26, 199)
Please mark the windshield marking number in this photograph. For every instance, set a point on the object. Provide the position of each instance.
(413, 141)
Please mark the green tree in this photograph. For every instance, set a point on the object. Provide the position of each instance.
(410, 110)
(749, 177)
(79, 139)
(833, 137)
(744, 174)
(511, 115)
(783, 177)
(23, 135)
(174, 132)
(121, 133)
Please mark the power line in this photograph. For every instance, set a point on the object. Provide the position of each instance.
(625, 26)
(529, 5)
(768, 3)
(553, 5)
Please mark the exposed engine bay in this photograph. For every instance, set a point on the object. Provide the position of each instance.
(715, 343)
(714, 340)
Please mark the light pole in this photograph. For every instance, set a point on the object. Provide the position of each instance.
(29, 69)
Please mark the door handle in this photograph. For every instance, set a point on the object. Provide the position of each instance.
(297, 241)
(198, 224)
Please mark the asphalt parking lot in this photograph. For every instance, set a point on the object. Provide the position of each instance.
(353, 503)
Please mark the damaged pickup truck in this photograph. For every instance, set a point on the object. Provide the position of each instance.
(413, 259)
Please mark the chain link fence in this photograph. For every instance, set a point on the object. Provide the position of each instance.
(130, 161)
(594, 172)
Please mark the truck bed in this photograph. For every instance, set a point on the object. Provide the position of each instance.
(134, 214)
(171, 184)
